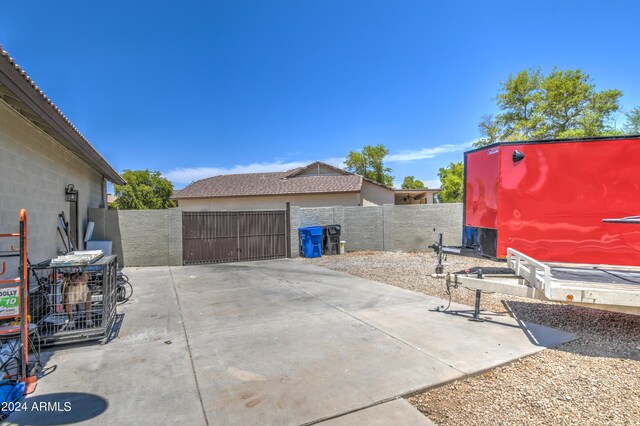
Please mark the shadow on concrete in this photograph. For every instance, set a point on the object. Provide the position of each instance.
(112, 334)
(58, 409)
(484, 315)
(47, 352)
(538, 336)
(115, 328)
(599, 333)
(45, 369)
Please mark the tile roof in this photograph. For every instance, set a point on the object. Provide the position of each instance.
(277, 183)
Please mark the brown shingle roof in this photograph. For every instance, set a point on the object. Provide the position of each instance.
(301, 170)
(276, 183)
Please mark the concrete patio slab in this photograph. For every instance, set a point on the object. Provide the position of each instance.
(152, 313)
(397, 412)
(246, 307)
(273, 342)
(351, 294)
(468, 346)
(314, 367)
(151, 382)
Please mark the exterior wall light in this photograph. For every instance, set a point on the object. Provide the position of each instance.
(70, 193)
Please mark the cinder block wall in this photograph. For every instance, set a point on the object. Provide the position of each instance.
(387, 227)
(365, 227)
(34, 171)
(417, 226)
(141, 237)
(302, 216)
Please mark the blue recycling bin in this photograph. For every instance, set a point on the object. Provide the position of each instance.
(311, 241)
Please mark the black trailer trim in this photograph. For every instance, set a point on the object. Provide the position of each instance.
(554, 141)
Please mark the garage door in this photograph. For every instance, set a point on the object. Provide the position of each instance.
(215, 237)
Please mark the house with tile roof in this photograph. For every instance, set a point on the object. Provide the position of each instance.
(316, 185)
(45, 162)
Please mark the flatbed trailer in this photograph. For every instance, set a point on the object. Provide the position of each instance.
(605, 287)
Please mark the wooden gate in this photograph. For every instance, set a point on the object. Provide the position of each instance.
(215, 237)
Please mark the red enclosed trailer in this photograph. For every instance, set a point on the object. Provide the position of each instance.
(548, 199)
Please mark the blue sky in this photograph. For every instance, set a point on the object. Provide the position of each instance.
(194, 89)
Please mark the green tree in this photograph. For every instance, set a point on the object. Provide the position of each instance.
(144, 190)
(562, 104)
(519, 101)
(370, 163)
(490, 130)
(570, 103)
(632, 125)
(451, 183)
(410, 182)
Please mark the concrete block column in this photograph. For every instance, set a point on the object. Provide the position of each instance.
(388, 227)
(174, 236)
(295, 220)
(339, 219)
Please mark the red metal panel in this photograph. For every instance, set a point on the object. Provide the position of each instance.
(552, 203)
(481, 192)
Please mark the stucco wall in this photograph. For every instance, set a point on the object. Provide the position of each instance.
(34, 171)
(375, 195)
(268, 202)
(141, 237)
(428, 198)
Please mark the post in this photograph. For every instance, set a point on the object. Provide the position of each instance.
(238, 235)
(287, 216)
(476, 310)
(24, 296)
(439, 266)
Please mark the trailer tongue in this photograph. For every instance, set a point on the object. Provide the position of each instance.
(611, 288)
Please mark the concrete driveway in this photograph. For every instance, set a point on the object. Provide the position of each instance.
(272, 342)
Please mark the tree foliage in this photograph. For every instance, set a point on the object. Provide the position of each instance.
(451, 183)
(410, 182)
(632, 125)
(562, 104)
(144, 190)
(370, 163)
(490, 130)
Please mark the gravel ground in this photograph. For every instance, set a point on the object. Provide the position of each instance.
(594, 380)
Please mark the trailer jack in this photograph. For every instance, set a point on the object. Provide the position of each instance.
(438, 249)
(476, 311)
(451, 283)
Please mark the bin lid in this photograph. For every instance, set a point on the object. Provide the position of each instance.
(313, 230)
(332, 226)
(332, 229)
